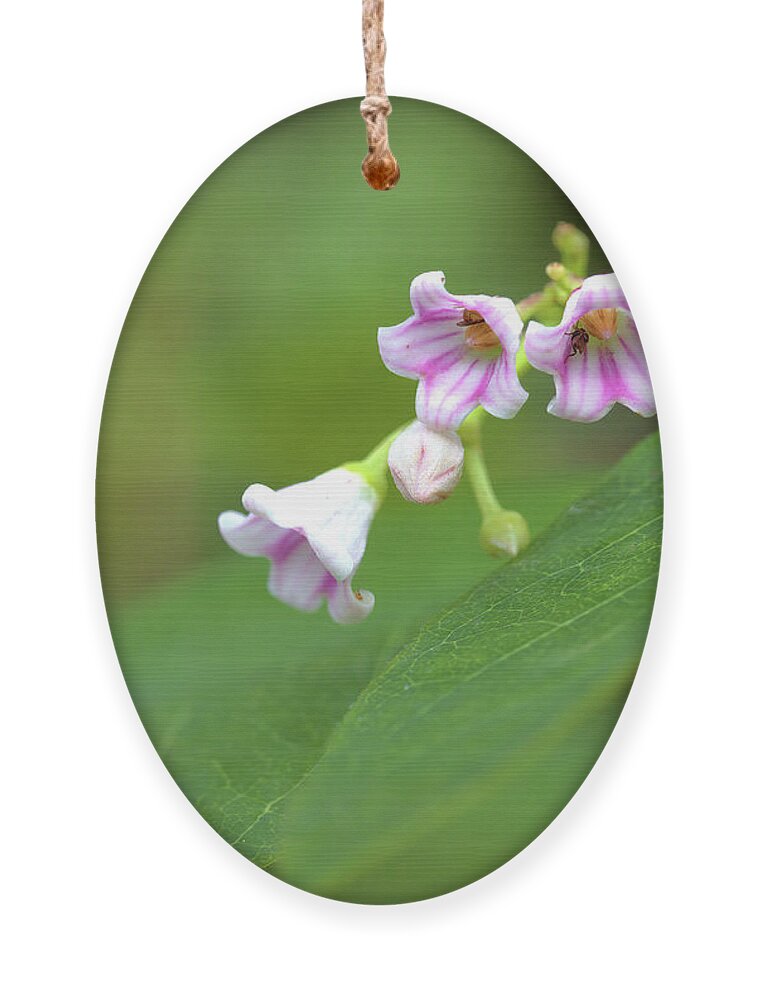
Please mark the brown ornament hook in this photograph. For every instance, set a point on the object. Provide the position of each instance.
(379, 165)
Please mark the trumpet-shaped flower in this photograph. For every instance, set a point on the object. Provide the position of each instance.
(314, 534)
(594, 354)
(462, 349)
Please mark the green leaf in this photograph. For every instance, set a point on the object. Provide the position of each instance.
(361, 768)
(480, 730)
(240, 693)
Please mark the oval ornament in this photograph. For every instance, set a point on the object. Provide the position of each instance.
(379, 503)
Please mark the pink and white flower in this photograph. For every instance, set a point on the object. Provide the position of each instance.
(314, 533)
(461, 348)
(426, 464)
(594, 354)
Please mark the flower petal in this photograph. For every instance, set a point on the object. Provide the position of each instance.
(247, 534)
(428, 293)
(409, 348)
(502, 317)
(445, 397)
(298, 579)
(635, 387)
(588, 385)
(504, 395)
(315, 534)
(581, 390)
(413, 348)
(333, 511)
(346, 605)
(545, 346)
(600, 291)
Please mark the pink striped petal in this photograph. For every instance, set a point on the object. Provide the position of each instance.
(634, 387)
(445, 397)
(600, 291)
(581, 392)
(546, 346)
(428, 293)
(504, 395)
(414, 347)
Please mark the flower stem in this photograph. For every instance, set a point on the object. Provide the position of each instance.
(476, 469)
(503, 533)
(373, 467)
(522, 362)
(530, 307)
(475, 466)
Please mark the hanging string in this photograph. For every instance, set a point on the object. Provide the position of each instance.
(379, 166)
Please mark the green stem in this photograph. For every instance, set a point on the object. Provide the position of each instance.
(530, 307)
(470, 430)
(475, 465)
(504, 533)
(481, 483)
(522, 362)
(373, 467)
(377, 457)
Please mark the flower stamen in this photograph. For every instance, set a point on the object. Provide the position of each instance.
(600, 323)
(478, 333)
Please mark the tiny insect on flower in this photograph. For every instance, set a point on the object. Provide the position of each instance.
(579, 340)
(594, 354)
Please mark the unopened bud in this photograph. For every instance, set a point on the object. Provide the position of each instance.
(504, 533)
(573, 246)
(564, 281)
(426, 464)
(556, 272)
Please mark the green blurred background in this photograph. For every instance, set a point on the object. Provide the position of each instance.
(249, 355)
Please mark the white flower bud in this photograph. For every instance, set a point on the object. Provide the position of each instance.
(426, 464)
